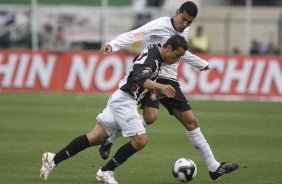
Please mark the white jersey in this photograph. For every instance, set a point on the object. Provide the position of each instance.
(158, 32)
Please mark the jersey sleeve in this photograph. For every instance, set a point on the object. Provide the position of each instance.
(194, 60)
(124, 40)
(143, 69)
(141, 73)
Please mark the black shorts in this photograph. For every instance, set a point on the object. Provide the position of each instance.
(179, 101)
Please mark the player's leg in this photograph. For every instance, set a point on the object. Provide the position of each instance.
(198, 140)
(137, 142)
(183, 113)
(106, 173)
(104, 149)
(196, 137)
(107, 117)
(80, 143)
(95, 137)
(125, 112)
(150, 106)
(149, 116)
(181, 109)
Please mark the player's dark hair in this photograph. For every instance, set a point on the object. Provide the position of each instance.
(190, 8)
(175, 42)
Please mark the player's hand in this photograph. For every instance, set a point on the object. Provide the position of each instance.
(206, 68)
(105, 49)
(168, 91)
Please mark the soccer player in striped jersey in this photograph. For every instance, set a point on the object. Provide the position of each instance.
(121, 112)
(157, 32)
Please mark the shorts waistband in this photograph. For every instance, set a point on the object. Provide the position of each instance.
(126, 94)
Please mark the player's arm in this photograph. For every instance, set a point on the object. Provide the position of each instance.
(106, 48)
(141, 76)
(126, 39)
(167, 90)
(195, 61)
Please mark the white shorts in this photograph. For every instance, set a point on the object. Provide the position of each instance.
(121, 114)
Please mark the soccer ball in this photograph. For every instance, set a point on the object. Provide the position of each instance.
(184, 170)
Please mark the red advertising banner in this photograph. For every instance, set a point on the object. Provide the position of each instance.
(232, 77)
(235, 77)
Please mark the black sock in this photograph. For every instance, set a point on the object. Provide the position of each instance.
(78, 144)
(121, 156)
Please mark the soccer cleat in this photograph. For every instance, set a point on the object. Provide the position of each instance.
(47, 165)
(105, 149)
(99, 175)
(106, 176)
(224, 168)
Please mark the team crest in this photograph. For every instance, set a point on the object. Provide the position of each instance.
(153, 95)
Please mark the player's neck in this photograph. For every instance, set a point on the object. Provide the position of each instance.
(172, 22)
(161, 50)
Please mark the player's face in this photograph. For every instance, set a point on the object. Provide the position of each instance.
(182, 20)
(173, 56)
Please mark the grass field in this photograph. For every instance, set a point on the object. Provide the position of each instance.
(30, 124)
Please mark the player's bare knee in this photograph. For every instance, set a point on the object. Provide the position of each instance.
(192, 124)
(149, 119)
(97, 136)
(139, 142)
(95, 140)
(195, 121)
(150, 115)
(138, 145)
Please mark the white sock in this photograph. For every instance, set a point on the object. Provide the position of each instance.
(200, 143)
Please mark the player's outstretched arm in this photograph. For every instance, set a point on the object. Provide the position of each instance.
(195, 61)
(206, 68)
(105, 49)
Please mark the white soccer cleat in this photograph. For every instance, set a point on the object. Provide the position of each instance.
(99, 175)
(47, 165)
(106, 176)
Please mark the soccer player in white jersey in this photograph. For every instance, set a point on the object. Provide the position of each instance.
(157, 32)
(121, 112)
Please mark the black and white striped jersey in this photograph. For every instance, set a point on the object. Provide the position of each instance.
(145, 66)
(158, 32)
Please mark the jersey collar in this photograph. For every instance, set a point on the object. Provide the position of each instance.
(159, 54)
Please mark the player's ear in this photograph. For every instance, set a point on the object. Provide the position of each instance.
(168, 48)
(177, 12)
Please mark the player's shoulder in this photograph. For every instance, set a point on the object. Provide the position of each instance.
(153, 46)
(152, 51)
(162, 23)
(163, 19)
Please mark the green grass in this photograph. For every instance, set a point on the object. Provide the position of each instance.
(30, 124)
